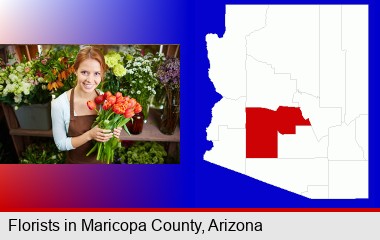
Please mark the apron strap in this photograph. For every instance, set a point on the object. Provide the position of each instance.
(72, 105)
(72, 102)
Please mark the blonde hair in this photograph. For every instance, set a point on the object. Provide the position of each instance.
(90, 52)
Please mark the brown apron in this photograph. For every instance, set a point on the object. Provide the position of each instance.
(77, 126)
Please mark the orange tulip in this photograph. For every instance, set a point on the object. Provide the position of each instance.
(99, 99)
(132, 102)
(91, 105)
(111, 100)
(107, 94)
(119, 108)
(120, 100)
(129, 113)
(138, 108)
(107, 105)
(118, 95)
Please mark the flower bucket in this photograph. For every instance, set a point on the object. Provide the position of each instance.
(34, 117)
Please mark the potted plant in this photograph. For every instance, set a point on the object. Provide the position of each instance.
(39, 153)
(142, 153)
(29, 86)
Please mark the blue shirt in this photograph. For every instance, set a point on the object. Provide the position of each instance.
(60, 117)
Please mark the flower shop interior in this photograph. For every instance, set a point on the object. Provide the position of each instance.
(31, 76)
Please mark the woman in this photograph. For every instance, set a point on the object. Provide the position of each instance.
(71, 118)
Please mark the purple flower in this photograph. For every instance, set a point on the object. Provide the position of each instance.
(169, 71)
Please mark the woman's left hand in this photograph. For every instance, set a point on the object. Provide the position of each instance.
(116, 132)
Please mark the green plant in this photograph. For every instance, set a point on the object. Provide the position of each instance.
(55, 70)
(142, 153)
(16, 83)
(38, 80)
(39, 153)
(132, 72)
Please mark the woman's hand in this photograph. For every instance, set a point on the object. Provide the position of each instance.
(100, 135)
(117, 132)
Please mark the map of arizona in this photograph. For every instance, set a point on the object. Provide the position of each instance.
(294, 112)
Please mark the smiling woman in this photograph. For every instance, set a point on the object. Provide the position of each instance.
(71, 118)
(67, 77)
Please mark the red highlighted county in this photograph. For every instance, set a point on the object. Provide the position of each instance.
(262, 126)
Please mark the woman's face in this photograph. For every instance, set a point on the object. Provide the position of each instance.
(88, 75)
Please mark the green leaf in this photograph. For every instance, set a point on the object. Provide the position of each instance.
(126, 129)
(92, 149)
(99, 152)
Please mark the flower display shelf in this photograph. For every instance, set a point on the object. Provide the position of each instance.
(151, 132)
(20, 137)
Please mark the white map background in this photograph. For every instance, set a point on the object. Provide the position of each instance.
(309, 56)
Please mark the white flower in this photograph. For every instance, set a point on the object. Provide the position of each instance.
(26, 86)
(10, 87)
(18, 98)
(13, 77)
(138, 92)
(20, 69)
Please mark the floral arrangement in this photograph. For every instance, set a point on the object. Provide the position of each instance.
(142, 153)
(115, 112)
(133, 73)
(169, 72)
(39, 80)
(16, 83)
(169, 75)
(56, 68)
(45, 152)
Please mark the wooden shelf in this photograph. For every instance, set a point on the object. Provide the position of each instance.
(34, 133)
(151, 130)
